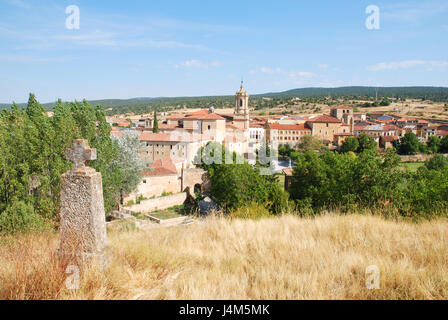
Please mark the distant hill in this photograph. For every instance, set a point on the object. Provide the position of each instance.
(146, 104)
(427, 93)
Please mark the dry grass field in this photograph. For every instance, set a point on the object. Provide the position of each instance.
(278, 258)
(410, 108)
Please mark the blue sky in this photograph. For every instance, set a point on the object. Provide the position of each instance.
(126, 49)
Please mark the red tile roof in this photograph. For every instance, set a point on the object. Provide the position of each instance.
(209, 116)
(200, 112)
(116, 133)
(160, 167)
(389, 138)
(390, 127)
(324, 119)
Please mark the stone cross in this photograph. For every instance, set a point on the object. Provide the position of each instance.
(80, 153)
(82, 229)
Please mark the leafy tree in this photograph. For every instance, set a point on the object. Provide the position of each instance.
(410, 145)
(350, 144)
(237, 185)
(433, 144)
(309, 142)
(39, 141)
(366, 143)
(444, 145)
(437, 162)
(129, 160)
(285, 150)
(340, 180)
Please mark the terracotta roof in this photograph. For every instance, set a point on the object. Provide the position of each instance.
(116, 133)
(209, 116)
(121, 123)
(390, 127)
(324, 119)
(389, 138)
(200, 112)
(442, 133)
(165, 126)
(160, 167)
(277, 126)
(163, 137)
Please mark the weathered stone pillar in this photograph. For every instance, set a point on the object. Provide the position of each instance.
(83, 222)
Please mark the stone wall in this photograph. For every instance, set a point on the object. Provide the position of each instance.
(161, 203)
(196, 176)
(154, 186)
(417, 158)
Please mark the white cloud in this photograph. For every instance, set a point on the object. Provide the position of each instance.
(323, 66)
(198, 64)
(290, 74)
(32, 59)
(406, 64)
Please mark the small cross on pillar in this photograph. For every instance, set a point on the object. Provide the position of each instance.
(80, 152)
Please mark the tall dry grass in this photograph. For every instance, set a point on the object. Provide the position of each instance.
(278, 258)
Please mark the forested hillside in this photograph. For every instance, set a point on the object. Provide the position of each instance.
(148, 105)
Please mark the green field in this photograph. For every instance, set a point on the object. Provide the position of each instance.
(170, 213)
(412, 166)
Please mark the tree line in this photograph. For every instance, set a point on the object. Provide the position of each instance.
(32, 160)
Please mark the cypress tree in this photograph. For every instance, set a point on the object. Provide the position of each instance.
(155, 127)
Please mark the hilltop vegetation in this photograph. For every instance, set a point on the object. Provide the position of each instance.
(267, 100)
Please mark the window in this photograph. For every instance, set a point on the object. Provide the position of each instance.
(144, 181)
(241, 102)
(208, 127)
(327, 125)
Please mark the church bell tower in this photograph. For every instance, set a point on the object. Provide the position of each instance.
(241, 113)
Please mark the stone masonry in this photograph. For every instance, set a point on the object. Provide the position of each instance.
(83, 225)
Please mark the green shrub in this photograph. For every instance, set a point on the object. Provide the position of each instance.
(252, 211)
(20, 217)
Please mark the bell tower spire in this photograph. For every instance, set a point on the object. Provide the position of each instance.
(241, 113)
